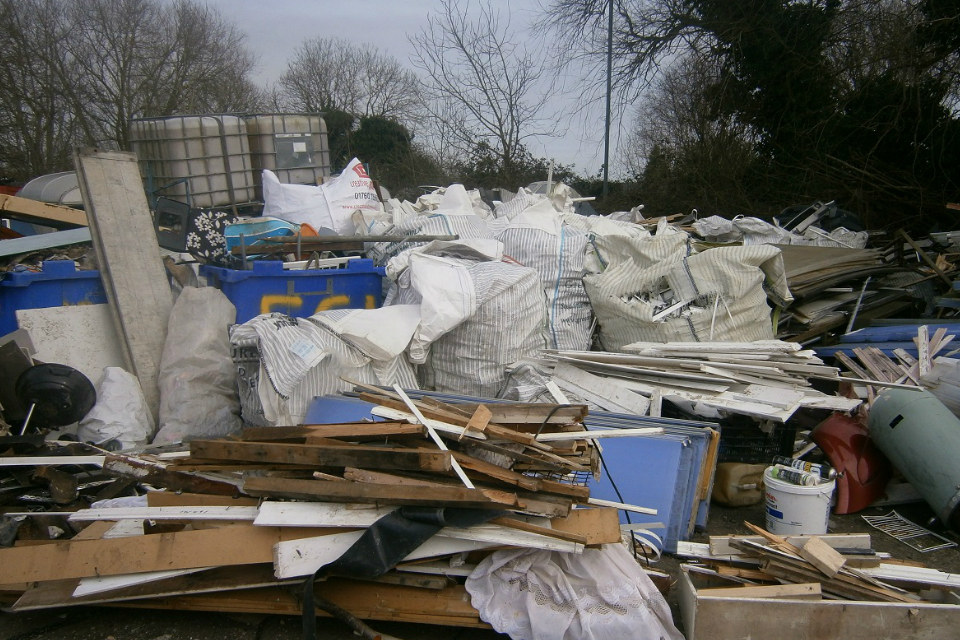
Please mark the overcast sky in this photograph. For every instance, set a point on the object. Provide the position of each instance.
(276, 27)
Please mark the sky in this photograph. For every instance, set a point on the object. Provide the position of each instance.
(276, 27)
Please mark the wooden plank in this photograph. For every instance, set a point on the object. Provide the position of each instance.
(60, 593)
(367, 601)
(40, 461)
(235, 545)
(803, 591)
(309, 514)
(478, 421)
(42, 213)
(599, 526)
(103, 584)
(354, 456)
(165, 513)
(433, 435)
(531, 414)
(849, 363)
(358, 431)
(175, 499)
(485, 469)
(158, 475)
(93, 531)
(389, 494)
(134, 278)
(822, 556)
(720, 545)
(923, 350)
(523, 525)
(739, 618)
(622, 506)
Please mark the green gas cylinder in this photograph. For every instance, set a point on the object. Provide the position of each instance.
(921, 437)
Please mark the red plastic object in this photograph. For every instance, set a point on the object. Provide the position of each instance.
(862, 470)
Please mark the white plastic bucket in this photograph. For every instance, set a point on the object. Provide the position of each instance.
(793, 509)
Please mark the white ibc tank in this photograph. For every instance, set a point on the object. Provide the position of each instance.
(292, 145)
(203, 160)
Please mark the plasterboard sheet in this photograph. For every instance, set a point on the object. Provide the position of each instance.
(81, 336)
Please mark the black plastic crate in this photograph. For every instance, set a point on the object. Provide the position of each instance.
(744, 441)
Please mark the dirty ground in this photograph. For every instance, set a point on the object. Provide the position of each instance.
(107, 623)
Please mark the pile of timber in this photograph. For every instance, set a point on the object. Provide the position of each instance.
(766, 379)
(832, 566)
(242, 524)
(882, 365)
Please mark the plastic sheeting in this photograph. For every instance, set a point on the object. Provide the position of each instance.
(197, 380)
(121, 412)
(756, 231)
(602, 594)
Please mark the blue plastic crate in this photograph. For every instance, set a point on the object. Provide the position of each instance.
(59, 284)
(268, 287)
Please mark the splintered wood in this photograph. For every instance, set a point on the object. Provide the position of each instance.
(873, 369)
(244, 516)
(841, 566)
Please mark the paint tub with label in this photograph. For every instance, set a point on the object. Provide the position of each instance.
(794, 509)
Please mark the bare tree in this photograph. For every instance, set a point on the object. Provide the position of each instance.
(139, 58)
(37, 128)
(483, 84)
(77, 71)
(333, 74)
(679, 131)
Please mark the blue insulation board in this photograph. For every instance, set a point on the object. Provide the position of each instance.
(641, 475)
(339, 409)
(661, 472)
(905, 333)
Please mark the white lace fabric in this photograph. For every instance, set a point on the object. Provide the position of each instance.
(602, 594)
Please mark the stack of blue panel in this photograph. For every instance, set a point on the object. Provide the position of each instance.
(885, 338)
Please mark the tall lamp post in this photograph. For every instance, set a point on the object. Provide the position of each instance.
(606, 134)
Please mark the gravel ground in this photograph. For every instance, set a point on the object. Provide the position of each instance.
(103, 623)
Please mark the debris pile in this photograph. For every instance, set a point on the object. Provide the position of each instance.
(466, 412)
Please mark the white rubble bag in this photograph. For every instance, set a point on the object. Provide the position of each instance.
(601, 594)
(283, 363)
(330, 205)
(476, 316)
(454, 215)
(718, 295)
(121, 412)
(537, 238)
(197, 379)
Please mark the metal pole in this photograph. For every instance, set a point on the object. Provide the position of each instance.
(606, 135)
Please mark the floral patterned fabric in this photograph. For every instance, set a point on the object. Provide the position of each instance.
(205, 240)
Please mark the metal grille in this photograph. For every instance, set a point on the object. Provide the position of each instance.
(912, 535)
